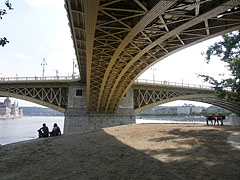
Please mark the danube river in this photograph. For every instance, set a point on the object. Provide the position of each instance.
(25, 128)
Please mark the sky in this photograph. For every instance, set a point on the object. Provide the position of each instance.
(38, 29)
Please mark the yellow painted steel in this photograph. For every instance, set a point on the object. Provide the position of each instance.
(116, 41)
(157, 10)
(147, 95)
(49, 96)
(91, 11)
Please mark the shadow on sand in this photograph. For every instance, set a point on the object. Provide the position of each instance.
(99, 155)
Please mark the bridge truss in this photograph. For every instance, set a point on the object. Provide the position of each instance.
(52, 95)
(117, 40)
(150, 95)
(147, 94)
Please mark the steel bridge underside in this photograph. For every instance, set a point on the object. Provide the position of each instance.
(150, 95)
(117, 40)
(54, 94)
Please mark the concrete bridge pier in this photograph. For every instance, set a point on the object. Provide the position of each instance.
(235, 119)
(78, 120)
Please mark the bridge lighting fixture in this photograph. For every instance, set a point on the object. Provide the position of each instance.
(153, 69)
(44, 63)
(74, 66)
(56, 73)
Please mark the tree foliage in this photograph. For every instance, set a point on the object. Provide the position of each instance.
(4, 41)
(228, 50)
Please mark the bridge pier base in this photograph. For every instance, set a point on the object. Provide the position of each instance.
(234, 119)
(78, 120)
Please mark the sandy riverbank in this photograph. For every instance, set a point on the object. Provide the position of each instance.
(143, 151)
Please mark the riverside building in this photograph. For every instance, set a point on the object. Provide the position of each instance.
(7, 109)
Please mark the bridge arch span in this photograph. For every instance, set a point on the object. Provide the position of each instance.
(52, 94)
(146, 98)
(164, 101)
(171, 53)
(210, 99)
(127, 43)
(33, 100)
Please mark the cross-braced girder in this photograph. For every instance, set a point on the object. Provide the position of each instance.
(147, 96)
(121, 39)
(52, 96)
(231, 106)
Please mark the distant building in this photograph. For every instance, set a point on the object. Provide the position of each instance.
(7, 109)
(188, 109)
(162, 110)
(171, 110)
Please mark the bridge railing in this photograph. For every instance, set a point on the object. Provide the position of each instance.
(47, 78)
(172, 84)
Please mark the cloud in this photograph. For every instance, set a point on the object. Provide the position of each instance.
(2, 61)
(45, 3)
(58, 50)
(44, 47)
(24, 57)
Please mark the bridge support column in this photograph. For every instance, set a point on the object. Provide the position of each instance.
(235, 119)
(78, 120)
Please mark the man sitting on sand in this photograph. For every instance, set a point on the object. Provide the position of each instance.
(55, 131)
(43, 131)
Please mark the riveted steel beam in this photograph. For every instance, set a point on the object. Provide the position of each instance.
(132, 64)
(91, 10)
(52, 97)
(127, 37)
(150, 95)
(156, 11)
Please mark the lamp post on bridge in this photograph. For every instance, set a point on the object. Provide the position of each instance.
(153, 69)
(74, 66)
(44, 63)
(57, 74)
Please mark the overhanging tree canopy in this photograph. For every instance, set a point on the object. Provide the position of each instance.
(4, 41)
(228, 50)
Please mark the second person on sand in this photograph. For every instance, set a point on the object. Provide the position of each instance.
(55, 131)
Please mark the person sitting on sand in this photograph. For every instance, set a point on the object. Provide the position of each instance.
(43, 131)
(55, 131)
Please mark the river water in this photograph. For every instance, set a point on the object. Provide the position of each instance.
(25, 128)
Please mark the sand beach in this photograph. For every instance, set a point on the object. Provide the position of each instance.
(139, 151)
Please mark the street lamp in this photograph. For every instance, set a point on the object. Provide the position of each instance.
(153, 69)
(57, 73)
(74, 66)
(44, 63)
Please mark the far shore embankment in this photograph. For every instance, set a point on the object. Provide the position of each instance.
(11, 117)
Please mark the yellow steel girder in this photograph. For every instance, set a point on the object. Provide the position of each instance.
(150, 95)
(116, 41)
